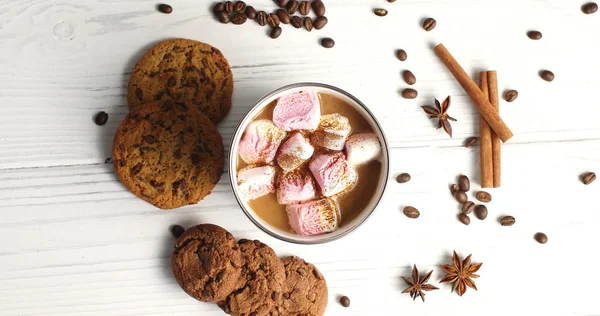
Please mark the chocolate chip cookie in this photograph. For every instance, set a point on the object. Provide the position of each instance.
(169, 154)
(207, 262)
(304, 289)
(186, 71)
(259, 288)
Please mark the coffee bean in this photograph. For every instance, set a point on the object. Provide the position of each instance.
(304, 7)
(468, 207)
(275, 32)
(409, 77)
(586, 178)
(403, 178)
(463, 183)
(453, 189)
(239, 18)
(101, 118)
(460, 196)
(261, 18)
(283, 16)
(511, 95)
(327, 42)
(481, 212)
(223, 17)
(411, 212)
(282, 3)
(547, 75)
(177, 230)
(483, 196)
(250, 12)
(345, 301)
(471, 141)
(464, 218)
(228, 7)
(165, 8)
(401, 54)
(320, 22)
(541, 238)
(220, 6)
(380, 12)
(273, 20)
(409, 93)
(589, 8)
(296, 21)
(239, 6)
(534, 35)
(429, 24)
(308, 23)
(391, 1)
(292, 7)
(318, 7)
(507, 221)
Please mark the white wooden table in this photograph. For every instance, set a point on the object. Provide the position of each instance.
(73, 241)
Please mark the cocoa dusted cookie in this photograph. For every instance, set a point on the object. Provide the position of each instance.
(168, 154)
(186, 71)
(304, 289)
(207, 262)
(259, 288)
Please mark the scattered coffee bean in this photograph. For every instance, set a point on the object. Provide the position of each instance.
(411, 212)
(464, 184)
(273, 20)
(586, 179)
(345, 301)
(541, 238)
(320, 22)
(468, 207)
(471, 141)
(318, 7)
(276, 32)
(304, 7)
(454, 189)
(380, 12)
(547, 75)
(165, 8)
(589, 8)
(481, 212)
(292, 6)
(282, 3)
(511, 95)
(507, 221)
(261, 18)
(328, 42)
(296, 21)
(409, 77)
(177, 230)
(308, 25)
(101, 118)
(464, 218)
(283, 16)
(220, 6)
(429, 24)
(460, 196)
(239, 6)
(239, 18)
(409, 93)
(391, 1)
(223, 17)
(483, 196)
(228, 7)
(403, 178)
(401, 54)
(250, 12)
(534, 35)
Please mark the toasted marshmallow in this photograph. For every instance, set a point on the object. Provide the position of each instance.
(254, 182)
(362, 148)
(296, 186)
(260, 142)
(294, 152)
(332, 132)
(332, 173)
(298, 111)
(314, 218)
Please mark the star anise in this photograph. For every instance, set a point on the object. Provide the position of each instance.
(418, 284)
(441, 113)
(461, 274)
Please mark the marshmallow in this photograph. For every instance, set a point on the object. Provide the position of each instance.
(332, 173)
(314, 218)
(256, 182)
(297, 110)
(260, 142)
(332, 132)
(294, 152)
(296, 186)
(362, 148)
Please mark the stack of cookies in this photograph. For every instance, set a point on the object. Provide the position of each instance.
(168, 150)
(246, 278)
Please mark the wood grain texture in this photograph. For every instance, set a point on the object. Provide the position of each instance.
(75, 242)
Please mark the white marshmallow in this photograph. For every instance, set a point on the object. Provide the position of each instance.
(362, 148)
(256, 182)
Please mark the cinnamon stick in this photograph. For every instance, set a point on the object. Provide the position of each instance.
(486, 110)
(493, 97)
(485, 141)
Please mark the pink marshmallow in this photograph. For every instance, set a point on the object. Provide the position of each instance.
(314, 218)
(296, 186)
(362, 148)
(294, 152)
(332, 132)
(260, 142)
(297, 110)
(332, 173)
(256, 182)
